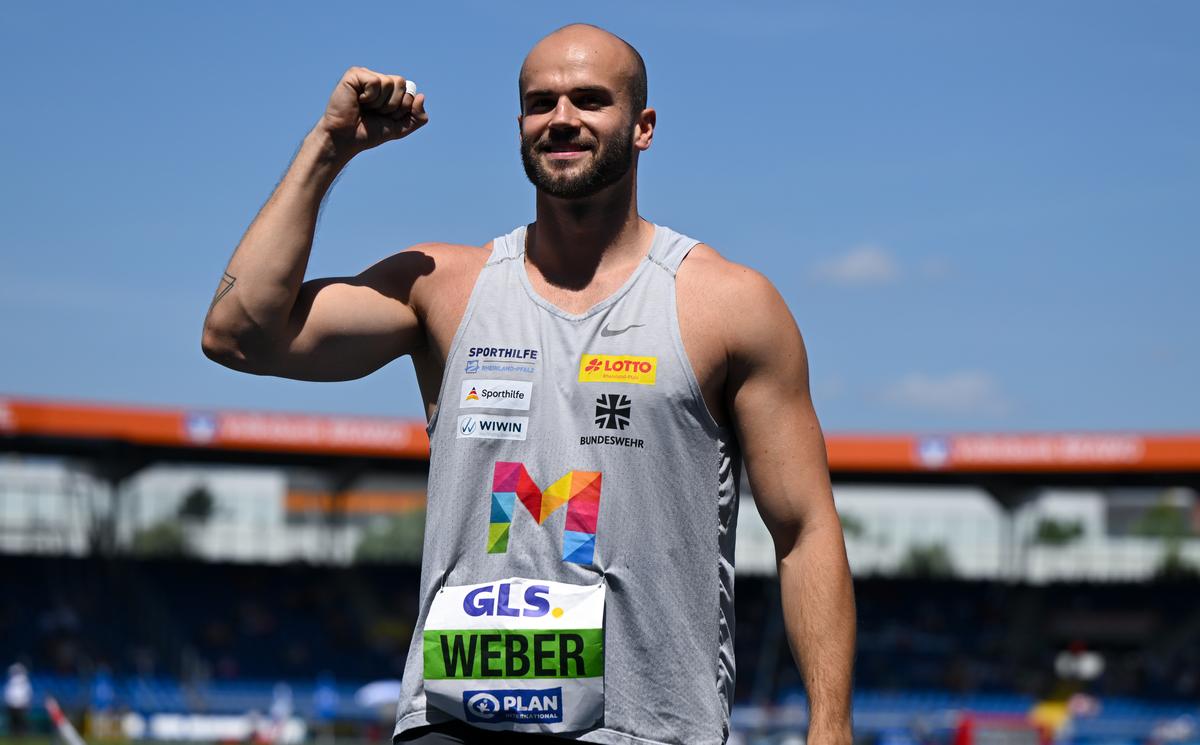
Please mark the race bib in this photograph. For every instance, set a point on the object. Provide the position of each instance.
(518, 654)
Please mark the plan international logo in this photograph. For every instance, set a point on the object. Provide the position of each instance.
(514, 704)
(578, 490)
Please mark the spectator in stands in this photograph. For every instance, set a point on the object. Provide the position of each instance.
(18, 694)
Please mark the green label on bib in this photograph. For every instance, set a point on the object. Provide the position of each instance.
(514, 653)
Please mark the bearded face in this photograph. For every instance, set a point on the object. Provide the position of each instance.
(598, 163)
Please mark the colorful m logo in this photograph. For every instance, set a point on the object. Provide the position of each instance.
(579, 490)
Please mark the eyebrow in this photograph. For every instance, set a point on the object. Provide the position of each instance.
(580, 89)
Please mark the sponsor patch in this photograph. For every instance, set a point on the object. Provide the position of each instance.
(578, 490)
(496, 394)
(513, 705)
(490, 359)
(504, 353)
(615, 368)
(493, 427)
(613, 411)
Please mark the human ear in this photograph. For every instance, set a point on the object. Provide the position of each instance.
(643, 130)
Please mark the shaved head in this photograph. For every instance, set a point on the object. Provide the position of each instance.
(581, 40)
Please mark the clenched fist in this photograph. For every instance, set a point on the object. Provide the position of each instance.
(368, 108)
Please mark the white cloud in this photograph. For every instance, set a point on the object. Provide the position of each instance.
(963, 392)
(866, 264)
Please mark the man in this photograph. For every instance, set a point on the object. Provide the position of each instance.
(18, 694)
(595, 605)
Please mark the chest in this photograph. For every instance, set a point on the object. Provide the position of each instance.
(631, 357)
(655, 342)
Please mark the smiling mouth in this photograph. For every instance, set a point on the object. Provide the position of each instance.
(565, 151)
(565, 147)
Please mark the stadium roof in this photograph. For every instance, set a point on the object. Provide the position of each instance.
(232, 436)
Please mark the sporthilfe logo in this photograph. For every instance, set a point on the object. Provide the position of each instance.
(503, 353)
(501, 360)
(612, 368)
(497, 394)
(579, 490)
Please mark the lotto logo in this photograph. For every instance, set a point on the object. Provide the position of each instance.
(611, 368)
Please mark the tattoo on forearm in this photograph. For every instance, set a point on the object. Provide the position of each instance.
(227, 281)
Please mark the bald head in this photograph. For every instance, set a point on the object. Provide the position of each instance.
(582, 44)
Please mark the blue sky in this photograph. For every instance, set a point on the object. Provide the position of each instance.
(984, 216)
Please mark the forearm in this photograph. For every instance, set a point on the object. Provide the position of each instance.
(818, 608)
(262, 280)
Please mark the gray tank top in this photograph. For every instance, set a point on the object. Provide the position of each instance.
(577, 449)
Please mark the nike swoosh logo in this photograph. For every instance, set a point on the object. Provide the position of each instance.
(606, 331)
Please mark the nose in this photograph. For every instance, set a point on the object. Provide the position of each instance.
(566, 116)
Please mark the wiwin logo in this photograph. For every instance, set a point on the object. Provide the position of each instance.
(489, 426)
(492, 427)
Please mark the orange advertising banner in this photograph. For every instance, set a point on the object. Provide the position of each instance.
(216, 428)
(406, 438)
(1016, 453)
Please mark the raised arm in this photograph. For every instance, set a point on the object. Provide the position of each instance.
(264, 318)
(789, 474)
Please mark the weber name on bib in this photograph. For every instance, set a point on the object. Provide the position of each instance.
(517, 654)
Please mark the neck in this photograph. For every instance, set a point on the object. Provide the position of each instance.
(573, 239)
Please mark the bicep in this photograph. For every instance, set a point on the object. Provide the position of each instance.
(777, 425)
(342, 328)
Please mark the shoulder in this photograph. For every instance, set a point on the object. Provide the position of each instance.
(704, 265)
(434, 265)
(739, 303)
(426, 276)
(447, 259)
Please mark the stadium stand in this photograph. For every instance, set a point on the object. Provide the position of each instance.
(190, 636)
(939, 660)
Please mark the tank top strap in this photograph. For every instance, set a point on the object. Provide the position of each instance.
(670, 248)
(508, 246)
